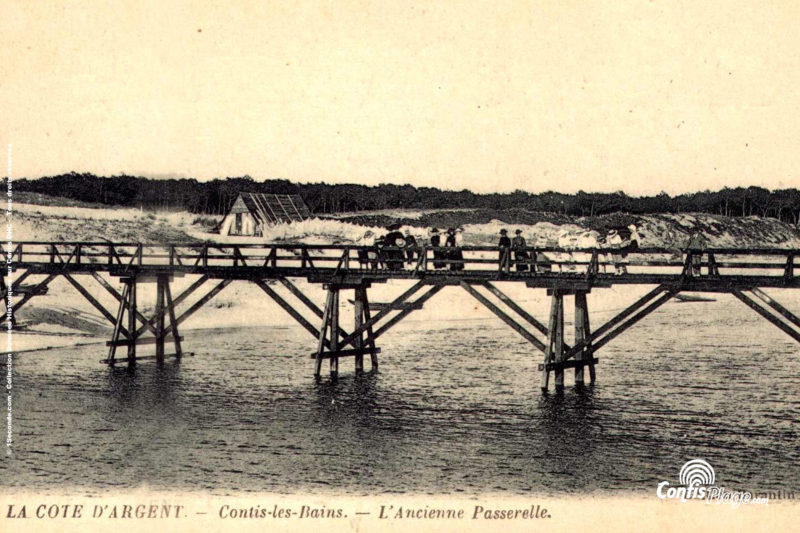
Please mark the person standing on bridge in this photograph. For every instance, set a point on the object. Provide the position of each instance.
(367, 241)
(411, 247)
(454, 254)
(394, 241)
(505, 246)
(695, 245)
(520, 249)
(623, 240)
(436, 242)
(376, 254)
(614, 239)
(459, 244)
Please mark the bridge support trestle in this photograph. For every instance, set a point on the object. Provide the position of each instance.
(133, 337)
(335, 339)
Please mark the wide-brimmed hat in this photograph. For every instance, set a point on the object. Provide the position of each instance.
(518, 231)
(433, 230)
(393, 227)
(503, 231)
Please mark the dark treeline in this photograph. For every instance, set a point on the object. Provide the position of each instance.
(214, 197)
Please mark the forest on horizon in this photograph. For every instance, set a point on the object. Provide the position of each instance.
(216, 196)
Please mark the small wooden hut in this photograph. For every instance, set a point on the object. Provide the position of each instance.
(252, 211)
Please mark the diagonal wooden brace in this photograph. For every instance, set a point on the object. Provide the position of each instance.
(634, 319)
(767, 299)
(519, 310)
(752, 304)
(113, 292)
(307, 301)
(92, 300)
(369, 323)
(202, 301)
(503, 316)
(25, 299)
(289, 309)
(405, 312)
(148, 323)
(620, 317)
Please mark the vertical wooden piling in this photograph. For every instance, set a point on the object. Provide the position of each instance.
(358, 311)
(581, 319)
(173, 323)
(161, 281)
(322, 331)
(588, 350)
(131, 321)
(373, 354)
(335, 333)
(558, 341)
(123, 304)
(548, 352)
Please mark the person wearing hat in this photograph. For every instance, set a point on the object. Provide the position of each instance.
(695, 245)
(366, 242)
(504, 244)
(615, 239)
(436, 242)
(454, 253)
(394, 241)
(520, 249)
(376, 255)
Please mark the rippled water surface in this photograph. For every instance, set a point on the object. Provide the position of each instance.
(456, 407)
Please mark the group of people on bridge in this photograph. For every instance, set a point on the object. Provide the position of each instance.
(398, 249)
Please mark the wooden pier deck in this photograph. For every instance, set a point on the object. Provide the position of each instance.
(92, 266)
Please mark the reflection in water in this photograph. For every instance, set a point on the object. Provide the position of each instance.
(452, 410)
(144, 386)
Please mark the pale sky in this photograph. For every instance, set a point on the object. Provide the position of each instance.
(640, 96)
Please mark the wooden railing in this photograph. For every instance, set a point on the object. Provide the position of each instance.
(348, 258)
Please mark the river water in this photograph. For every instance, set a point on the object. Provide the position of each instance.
(455, 408)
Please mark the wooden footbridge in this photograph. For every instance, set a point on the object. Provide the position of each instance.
(92, 266)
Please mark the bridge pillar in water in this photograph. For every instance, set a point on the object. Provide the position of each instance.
(132, 310)
(330, 323)
(333, 341)
(362, 315)
(583, 336)
(133, 330)
(557, 351)
(161, 281)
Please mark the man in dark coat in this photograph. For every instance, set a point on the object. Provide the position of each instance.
(377, 256)
(520, 249)
(504, 244)
(696, 244)
(436, 242)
